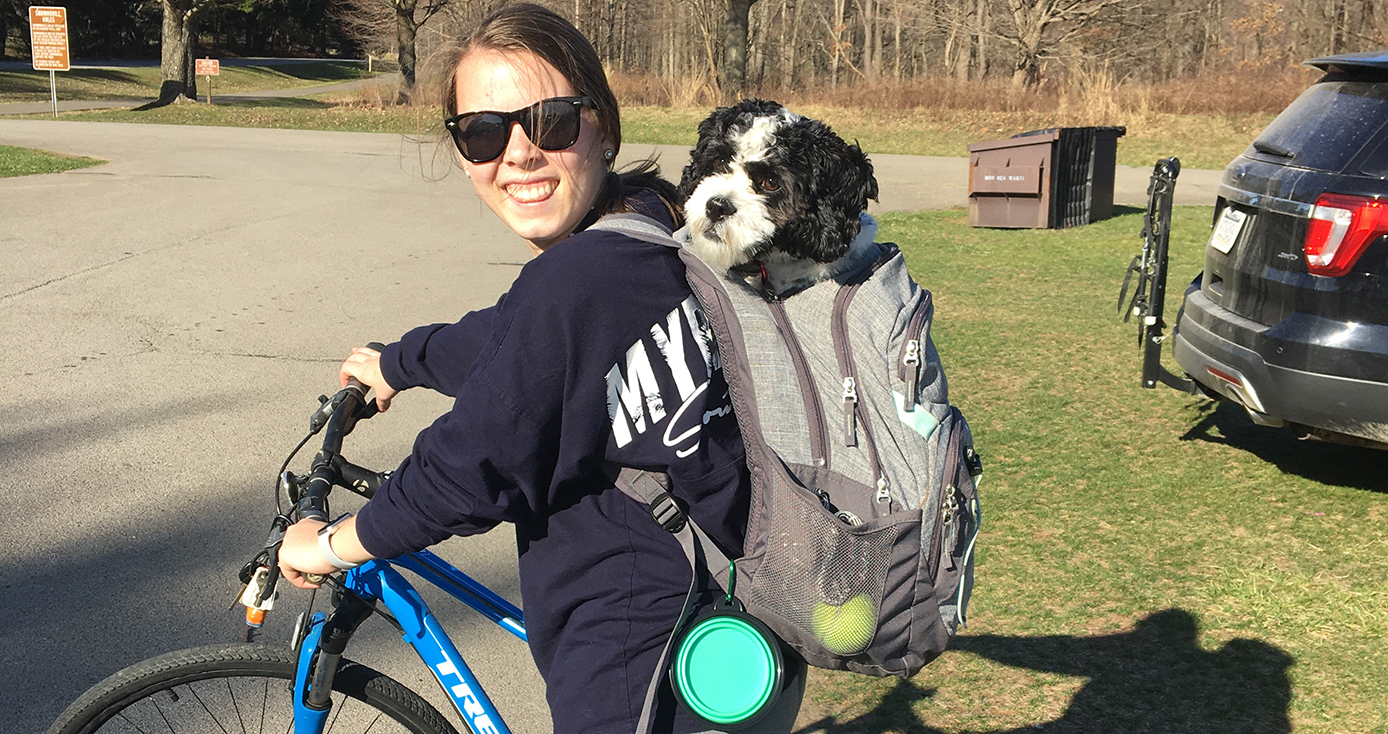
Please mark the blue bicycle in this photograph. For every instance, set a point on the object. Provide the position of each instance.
(309, 687)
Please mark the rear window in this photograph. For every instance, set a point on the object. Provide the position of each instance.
(1327, 125)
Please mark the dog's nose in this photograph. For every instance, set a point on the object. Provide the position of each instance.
(720, 207)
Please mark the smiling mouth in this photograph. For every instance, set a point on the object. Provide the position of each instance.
(530, 193)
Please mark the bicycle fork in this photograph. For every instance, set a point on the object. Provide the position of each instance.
(320, 653)
(374, 582)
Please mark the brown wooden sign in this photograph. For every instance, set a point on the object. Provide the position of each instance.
(208, 67)
(48, 38)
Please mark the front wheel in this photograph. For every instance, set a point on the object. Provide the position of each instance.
(239, 689)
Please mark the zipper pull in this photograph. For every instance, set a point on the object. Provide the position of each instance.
(949, 513)
(882, 494)
(850, 412)
(912, 360)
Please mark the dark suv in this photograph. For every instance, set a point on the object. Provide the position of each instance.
(1290, 316)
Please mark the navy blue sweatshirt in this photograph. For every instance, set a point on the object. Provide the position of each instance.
(598, 356)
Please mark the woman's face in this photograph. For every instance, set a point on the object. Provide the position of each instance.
(541, 194)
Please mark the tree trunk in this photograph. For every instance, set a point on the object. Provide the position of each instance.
(981, 60)
(867, 8)
(836, 35)
(405, 31)
(794, 49)
(734, 80)
(963, 52)
(176, 52)
(896, 37)
(1026, 69)
(877, 22)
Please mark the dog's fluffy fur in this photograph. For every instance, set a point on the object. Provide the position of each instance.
(765, 185)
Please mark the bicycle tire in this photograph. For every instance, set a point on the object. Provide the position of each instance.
(170, 693)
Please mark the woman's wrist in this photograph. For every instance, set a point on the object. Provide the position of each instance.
(339, 545)
(325, 544)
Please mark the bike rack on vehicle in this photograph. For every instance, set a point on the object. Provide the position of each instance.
(1149, 296)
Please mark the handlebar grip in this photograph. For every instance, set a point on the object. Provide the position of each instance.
(376, 346)
(313, 499)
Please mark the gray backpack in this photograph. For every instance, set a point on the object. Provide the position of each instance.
(864, 507)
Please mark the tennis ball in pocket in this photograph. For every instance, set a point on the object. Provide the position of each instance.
(846, 629)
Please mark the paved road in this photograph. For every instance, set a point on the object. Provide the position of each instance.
(169, 318)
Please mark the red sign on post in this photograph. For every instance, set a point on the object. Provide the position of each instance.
(48, 38)
(208, 67)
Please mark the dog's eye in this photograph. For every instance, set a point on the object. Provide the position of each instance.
(769, 184)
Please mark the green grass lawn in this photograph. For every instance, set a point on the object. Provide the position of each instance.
(141, 83)
(24, 161)
(1149, 561)
(1201, 141)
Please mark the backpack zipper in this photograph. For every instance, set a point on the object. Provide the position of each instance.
(843, 351)
(949, 494)
(912, 353)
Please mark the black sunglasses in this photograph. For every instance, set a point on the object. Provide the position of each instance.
(552, 124)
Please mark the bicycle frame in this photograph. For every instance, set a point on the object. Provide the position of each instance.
(378, 582)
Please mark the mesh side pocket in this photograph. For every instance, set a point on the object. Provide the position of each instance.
(824, 579)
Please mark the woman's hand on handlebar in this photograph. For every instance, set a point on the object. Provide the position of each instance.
(300, 555)
(364, 363)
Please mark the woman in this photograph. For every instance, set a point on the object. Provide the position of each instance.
(595, 359)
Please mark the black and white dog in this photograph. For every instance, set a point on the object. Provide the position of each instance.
(768, 188)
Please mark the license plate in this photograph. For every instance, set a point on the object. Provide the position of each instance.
(1226, 232)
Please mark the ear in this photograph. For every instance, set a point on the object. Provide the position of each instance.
(860, 184)
(713, 132)
(844, 183)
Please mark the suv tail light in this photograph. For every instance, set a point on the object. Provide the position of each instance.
(1341, 228)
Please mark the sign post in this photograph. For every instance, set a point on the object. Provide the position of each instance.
(208, 68)
(48, 44)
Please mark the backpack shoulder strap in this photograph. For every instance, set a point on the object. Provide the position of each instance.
(637, 226)
(652, 491)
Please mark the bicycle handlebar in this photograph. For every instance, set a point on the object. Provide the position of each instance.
(338, 416)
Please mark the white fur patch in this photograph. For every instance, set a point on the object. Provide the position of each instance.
(733, 240)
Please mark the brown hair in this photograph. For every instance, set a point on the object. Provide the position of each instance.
(538, 30)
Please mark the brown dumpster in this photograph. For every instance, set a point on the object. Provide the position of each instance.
(1061, 177)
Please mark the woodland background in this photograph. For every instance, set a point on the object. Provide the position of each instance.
(868, 52)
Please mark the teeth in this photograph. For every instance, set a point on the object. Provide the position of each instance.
(531, 192)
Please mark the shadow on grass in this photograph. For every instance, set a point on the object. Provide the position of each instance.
(283, 103)
(36, 82)
(326, 71)
(894, 712)
(1155, 678)
(1329, 463)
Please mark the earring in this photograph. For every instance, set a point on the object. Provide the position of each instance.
(608, 154)
(467, 173)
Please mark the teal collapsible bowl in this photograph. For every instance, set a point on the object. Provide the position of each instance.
(728, 669)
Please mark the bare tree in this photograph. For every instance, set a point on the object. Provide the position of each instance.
(176, 47)
(371, 20)
(1031, 21)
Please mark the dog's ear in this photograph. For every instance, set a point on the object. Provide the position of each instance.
(858, 182)
(843, 184)
(713, 136)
